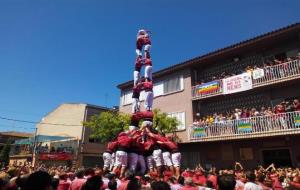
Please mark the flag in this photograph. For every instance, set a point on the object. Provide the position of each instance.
(297, 121)
(245, 127)
(208, 87)
(199, 132)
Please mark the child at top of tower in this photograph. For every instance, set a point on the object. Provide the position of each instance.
(143, 39)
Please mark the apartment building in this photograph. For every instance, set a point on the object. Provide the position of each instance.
(219, 82)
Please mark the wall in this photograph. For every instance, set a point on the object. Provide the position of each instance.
(174, 102)
(70, 114)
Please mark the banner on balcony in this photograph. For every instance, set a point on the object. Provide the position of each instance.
(237, 83)
(258, 73)
(55, 156)
(297, 121)
(208, 87)
(199, 132)
(244, 127)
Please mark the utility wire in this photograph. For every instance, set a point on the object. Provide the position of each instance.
(35, 122)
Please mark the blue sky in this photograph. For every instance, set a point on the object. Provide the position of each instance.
(57, 51)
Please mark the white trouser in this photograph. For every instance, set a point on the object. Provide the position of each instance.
(107, 158)
(148, 100)
(121, 159)
(148, 72)
(150, 162)
(135, 105)
(167, 159)
(141, 162)
(136, 77)
(147, 47)
(157, 157)
(113, 157)
(176, 158)
(138, 52)
(132, 160)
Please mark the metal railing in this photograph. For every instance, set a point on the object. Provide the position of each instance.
(278, 73)
(260, 126)
(272, 74)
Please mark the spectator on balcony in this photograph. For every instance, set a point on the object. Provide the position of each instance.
(245, 113)
(296, 105)
(254, 112)
(237, 113)
(262, 111)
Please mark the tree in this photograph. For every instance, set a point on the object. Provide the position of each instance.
(107, 125)
(163, 123)
(4, 155)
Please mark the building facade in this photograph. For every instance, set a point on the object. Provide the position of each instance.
(260, 72)
(62, 139)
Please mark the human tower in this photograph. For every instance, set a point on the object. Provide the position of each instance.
(142, 149)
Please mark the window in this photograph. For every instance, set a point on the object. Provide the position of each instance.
(173, 84)
(180, 116)
(93, 140)
(126, 97)
(160, 88)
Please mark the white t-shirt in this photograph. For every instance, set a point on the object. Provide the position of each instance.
(252, 186)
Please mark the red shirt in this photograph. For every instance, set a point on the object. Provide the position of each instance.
(148, 86)
(145, 115)
(124, 141)
(112, 146)
(148, 61)
(63, 185)
(77, 184)
(213, 179)
(199, 179)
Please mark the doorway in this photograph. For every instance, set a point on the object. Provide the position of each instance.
(280, 157)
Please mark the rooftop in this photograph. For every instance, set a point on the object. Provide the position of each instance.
(16, 134)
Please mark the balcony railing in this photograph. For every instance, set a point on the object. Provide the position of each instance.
(272, 74)
(261, 126)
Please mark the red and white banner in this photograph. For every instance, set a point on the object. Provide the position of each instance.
(237, 83)
(55, 156)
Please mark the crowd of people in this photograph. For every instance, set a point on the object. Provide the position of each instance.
(267, 65)
(237, 113)
(41, 177)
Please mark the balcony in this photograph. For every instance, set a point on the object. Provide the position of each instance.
(272, 75)
(261, 126)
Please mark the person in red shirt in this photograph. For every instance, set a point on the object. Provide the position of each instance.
(296, 105)
(189, 185)
(107, 155)
(63, 184)
(124, 142)
(136, 90)
(143, 39)
(148, 69)
(137, 70)
(78, 182)
(199, 178)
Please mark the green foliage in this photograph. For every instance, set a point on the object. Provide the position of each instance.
(163, 123)
(107, 125)
(4, 155)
